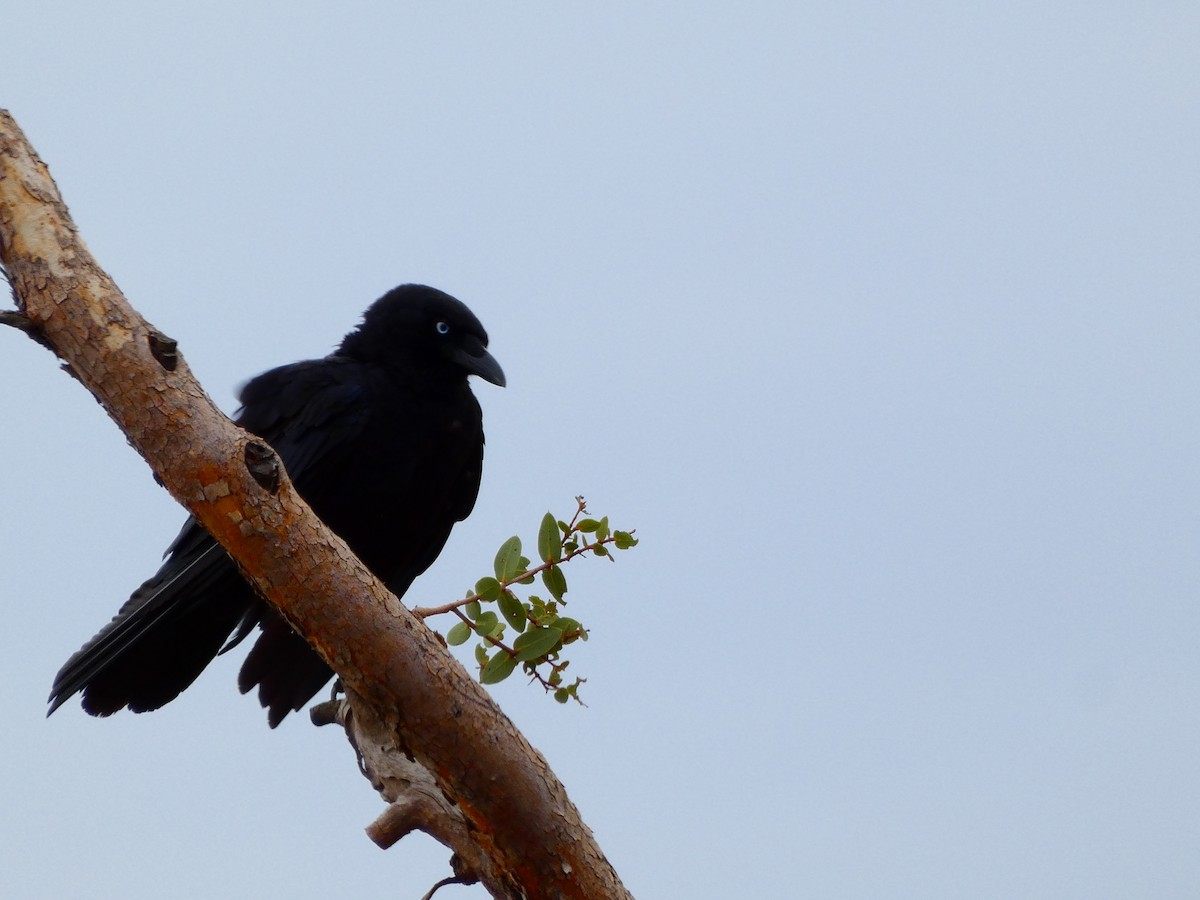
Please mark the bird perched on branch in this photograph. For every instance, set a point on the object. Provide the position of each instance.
(384, 440)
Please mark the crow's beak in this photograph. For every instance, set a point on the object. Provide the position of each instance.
(476, 360)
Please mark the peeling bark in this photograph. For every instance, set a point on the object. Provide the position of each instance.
(431, 739)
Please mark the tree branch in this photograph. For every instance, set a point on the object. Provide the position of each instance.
(484, 791)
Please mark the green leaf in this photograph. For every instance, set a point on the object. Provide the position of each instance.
(508, 558)
(549, 540)
(600, 550)
(458, 634)
(602, 529)
(513, 610)
(537, 642)
(486, 623)
(480, 654)
(562, 695)
(624, 540)
(499, 667)
(488, 588)
(471, 610)
(555, 581)
(571, 629)
(587, 526)
(522, 568)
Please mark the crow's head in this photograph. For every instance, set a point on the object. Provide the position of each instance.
(416, 324)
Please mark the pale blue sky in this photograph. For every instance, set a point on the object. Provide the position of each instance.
(878, 321)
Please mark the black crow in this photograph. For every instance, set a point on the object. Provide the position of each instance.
(383, 438)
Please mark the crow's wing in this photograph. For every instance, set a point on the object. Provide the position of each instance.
(178, 620)
(307, 411)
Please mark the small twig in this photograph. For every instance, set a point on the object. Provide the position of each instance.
(325, 713)
(16, 320)
(441, 884)
(495, 642)
(424, 612)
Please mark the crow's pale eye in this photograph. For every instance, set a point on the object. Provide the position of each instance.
(442, 327)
